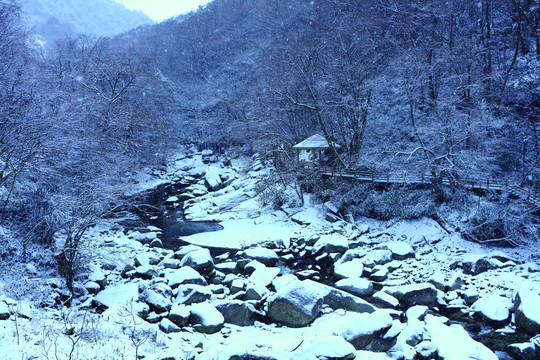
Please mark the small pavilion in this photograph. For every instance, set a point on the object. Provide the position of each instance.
(309, 152)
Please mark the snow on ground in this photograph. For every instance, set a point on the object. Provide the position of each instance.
(36, 330)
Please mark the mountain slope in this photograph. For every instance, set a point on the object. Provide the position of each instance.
(54, 19)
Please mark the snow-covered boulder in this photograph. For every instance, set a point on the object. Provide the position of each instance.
(339, 299)
(168, 327)
(477, 264)
(362, 329)
(349, 269)
(356, 286)
(255, 292)
(281, 282)
(334, 243)
(379, 273)
(296, 305)
(212, 178)
(264, 276)
(200, 260)
(157, 301)
(524, 351)
(527, 310)
(206, 319)
(454, 343)
(179, 314)
(263, 255)
(184, 275)
(92, 287)
(237, 312)
(414, 294)
(401, 250)
(190, 294)
(122, 295)
(385, 300)
(495, 309)
(377, 257)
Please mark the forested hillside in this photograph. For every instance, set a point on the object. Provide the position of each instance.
(451, 86)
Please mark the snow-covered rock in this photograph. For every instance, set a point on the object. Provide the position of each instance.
(477, 264)
(212, 178)
(414, 294)
(205, 318)
(385, 300)
(493, 308)
(527, 311)
(264, 276)
(157, 301)
(265, 256)
(200, 260)
(339, 299)
(92, 287)
(168, 327)
(377, 257)
(401, 250)
(237, 312)
(334, 243)
(297, 304)
(190, 294)
(362, 329)
(349, 269)
(179, 314)
(454, 343)
(356, 286)
(122, 295)
(255, 292)
(184, 275)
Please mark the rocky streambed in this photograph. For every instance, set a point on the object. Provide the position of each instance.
(293, 285)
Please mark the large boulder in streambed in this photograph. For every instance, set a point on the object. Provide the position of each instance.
(527, 310)
(414, 294)
(212, 178)
(200, 260)
(206, 319)
(296, 305)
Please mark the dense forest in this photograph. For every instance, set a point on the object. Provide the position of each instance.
(450, 88)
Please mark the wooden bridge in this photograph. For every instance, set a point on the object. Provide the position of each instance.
(531, 199)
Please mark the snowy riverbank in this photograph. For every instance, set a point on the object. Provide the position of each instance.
(291, 286)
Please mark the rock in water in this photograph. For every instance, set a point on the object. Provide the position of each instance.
(527, 310)
(297, 305)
